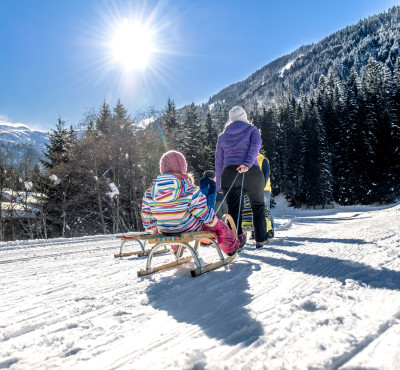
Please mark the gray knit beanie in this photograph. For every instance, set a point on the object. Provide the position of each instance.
(237, 114)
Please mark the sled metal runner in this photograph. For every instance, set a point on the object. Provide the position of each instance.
(184, 243)
(142, 240)
(183, 240)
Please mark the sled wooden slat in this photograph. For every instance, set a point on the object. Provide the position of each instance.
(156, 238)
(183, 238)
(137, 238)
(138, 253)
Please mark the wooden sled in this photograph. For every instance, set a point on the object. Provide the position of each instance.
(183, 240)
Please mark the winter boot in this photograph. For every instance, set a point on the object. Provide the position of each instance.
(261, 244)
(242, 240)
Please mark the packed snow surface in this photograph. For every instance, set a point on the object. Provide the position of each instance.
(324, 294)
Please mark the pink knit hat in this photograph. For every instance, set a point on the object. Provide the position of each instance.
(173, 162)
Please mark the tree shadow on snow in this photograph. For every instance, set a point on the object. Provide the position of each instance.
(216, 302)
(334, 268)
(322, 220)
(304, 212)
(298, 241)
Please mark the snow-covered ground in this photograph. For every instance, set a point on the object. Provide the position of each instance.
(325, 293)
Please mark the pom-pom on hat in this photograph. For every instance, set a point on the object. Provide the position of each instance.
(209, 173)
(237, 114)
(173, 162)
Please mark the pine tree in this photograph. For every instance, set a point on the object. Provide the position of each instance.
(395, 114)
(129, 174)
(270, 144)
(324, 106)
(346, 171)
(104, 120)
(210, 137)
(58, 149)
(120, 121)
(170, 126)
(325, 195)
(387, 142)
(292, 168)
(295, 169)
(378, 129)
(268, 131)
(60, 181)
(221, 117)
(277, 157)
(309, 183)
(255, 115)
(193, 141)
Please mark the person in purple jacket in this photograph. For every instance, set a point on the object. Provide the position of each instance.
(237, 151)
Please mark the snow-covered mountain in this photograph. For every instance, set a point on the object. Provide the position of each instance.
(299, 72)
(324, 294)
(19, 142)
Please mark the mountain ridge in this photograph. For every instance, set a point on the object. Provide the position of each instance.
(19, 143)
(298, 72)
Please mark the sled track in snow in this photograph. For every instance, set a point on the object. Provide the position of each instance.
(363, 344)
(50, 249)
(43, 243)
(50, 256)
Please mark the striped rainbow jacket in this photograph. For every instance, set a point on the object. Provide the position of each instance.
(173, 205)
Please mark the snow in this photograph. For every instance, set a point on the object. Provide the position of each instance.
(6, 125)
(14, 125)
(19, 133)
(114, 190)
(288, 66)
(21, 197)
(28, 185)
(212, 105)
(324, 294)
(146, 121)
(55, 179)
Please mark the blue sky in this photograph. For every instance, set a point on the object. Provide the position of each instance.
(58, 56)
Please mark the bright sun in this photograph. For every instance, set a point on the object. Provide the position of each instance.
(132, 45)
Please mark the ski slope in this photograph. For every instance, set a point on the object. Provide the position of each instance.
(324, 294)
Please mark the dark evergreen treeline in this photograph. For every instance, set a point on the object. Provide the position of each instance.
(340, 144)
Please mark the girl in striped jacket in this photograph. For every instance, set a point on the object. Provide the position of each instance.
(173, 204)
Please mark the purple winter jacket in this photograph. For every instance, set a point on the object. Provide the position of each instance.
(238, 144)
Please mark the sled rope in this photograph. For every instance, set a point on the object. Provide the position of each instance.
(241, 194)
(240, 202)
(223, 200)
